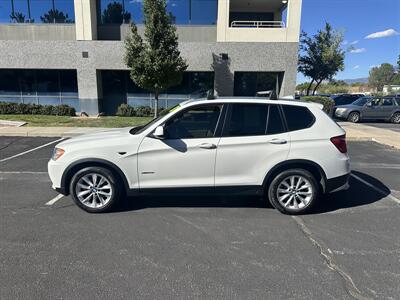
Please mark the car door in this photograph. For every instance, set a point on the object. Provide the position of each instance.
(371, 109)
(185, 156)
(252, 142)
(386, 108)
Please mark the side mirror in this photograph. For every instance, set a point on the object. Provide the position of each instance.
(159, 132)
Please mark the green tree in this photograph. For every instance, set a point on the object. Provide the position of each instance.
(155, 62)
(379, 76)
(398, 64)
(321, 56)
(115, 14)
(17, 17)
(55, 16)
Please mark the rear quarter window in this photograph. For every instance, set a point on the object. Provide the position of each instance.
(298, 117)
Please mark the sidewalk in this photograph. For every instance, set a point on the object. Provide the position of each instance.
(353, 132)
(364, 132)
(48, 131)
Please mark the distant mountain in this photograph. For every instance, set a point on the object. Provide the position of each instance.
(351, 81)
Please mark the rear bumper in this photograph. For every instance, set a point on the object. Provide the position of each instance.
(336, 184)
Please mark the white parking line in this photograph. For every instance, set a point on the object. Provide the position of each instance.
(376, 188)
(55, 199)
(22, 172)
(28, 151)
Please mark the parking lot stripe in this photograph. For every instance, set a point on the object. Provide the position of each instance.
(55, 199)
(31, 150)
(22, 172)
(376, 188)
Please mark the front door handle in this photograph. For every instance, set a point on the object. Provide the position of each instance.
(278, 141)
(207, 146)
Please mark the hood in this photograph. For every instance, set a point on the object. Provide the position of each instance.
(103, 136)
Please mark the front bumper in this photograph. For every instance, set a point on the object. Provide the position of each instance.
(337, 183)
(56, 170)
(340, 114)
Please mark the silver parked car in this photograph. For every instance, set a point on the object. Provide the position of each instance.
(367, 108)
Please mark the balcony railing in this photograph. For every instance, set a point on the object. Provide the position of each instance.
(258, 24)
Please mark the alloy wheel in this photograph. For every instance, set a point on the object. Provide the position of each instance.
(94, 190)
(294, 192)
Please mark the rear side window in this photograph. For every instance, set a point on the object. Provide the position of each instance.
(247, 119)
(253, 119)
(298, 117)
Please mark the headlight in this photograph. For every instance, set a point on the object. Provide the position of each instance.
(57, 153)
(340, 110)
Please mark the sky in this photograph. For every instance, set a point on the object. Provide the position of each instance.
(358, 19)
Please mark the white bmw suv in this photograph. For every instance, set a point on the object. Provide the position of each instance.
(290, 152)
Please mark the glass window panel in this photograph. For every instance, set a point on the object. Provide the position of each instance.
(114, 12)
(275, 124)
(9, 82)
(67, 8)
(135, 8)
(21, 12)
(136, 101)
(73, 102)
(204, 12)
(30, 99)
(41, 11)
(27, 80)
(250, 83)
(247, 120)
(47, 82)
(297, 117)
(49, 100)
(10, 99)
(199, 122)
(5, 11)
(68, 83)
(179, 10)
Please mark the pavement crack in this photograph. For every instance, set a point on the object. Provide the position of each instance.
(326, 254)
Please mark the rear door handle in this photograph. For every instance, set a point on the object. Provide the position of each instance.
(207, 146)
(278, 141)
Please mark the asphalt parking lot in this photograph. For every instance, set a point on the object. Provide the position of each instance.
(198, 248)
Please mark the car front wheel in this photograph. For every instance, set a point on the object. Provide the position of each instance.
(396, 118)
(95, 189)
(354, 117)
(293, 191)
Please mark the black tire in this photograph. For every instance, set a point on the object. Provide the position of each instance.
(354, 117)
(302, 208)
(115, 190)
(395, 118)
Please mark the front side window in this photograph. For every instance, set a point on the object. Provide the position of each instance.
(197, 122)
(361, 101)
(297, 117)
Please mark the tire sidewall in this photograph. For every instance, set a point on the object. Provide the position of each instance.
(272, 189)
(354, 114)
(394, 118)
(104, 172)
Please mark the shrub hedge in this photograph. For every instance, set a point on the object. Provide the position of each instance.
(10, 108)
(327, 102)
(125, 110)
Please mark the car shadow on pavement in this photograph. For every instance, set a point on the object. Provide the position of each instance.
(358, 194)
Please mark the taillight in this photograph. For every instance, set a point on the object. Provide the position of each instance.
(340, 143)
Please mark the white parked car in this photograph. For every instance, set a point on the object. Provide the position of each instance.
(290, 152)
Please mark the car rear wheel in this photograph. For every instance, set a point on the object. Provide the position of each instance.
(395, 118)
(95, 189)
(293, 191)
(354, 117)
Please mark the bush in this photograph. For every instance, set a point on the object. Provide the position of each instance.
(144, 111)
(327, 102)
(9, 108)
(125, 110)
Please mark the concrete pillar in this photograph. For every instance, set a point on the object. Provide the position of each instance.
(85, 20)
(293, 20)
(89, 81)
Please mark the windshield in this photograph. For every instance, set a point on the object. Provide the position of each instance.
(140, 129)
(361, 101)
